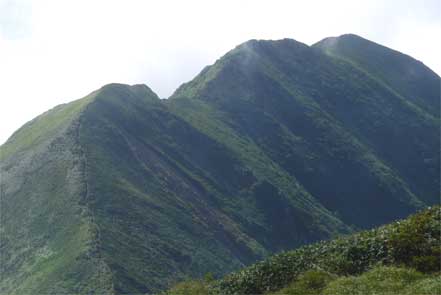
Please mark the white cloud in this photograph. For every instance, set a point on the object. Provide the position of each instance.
(54, 51)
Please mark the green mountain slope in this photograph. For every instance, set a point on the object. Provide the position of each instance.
(47, 233)
(145, 196)
(172, 201)
(276, 145)
(350, 141)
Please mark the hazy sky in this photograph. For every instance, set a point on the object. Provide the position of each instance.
(55, 51)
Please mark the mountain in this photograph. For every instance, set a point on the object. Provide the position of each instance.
(351, 141)
(398, 258)
(114, 193)
(276, 145)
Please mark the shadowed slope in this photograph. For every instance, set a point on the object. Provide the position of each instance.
(351, 142)
(170, 201)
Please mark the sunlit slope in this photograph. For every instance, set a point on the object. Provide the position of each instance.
(48, 237)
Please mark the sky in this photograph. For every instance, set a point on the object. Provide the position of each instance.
(56, 51)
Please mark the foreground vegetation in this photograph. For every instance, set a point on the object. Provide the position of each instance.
(399, 258)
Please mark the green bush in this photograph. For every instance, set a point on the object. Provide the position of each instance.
(380, 280)
(310, 283)
(416, 242)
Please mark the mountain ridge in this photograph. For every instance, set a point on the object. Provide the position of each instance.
(270, 148)
(311, 103)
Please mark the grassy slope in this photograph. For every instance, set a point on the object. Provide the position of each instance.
(349, 141)
(417, 86)
(116, 193)
(47, 234)
(172, 202)
(402, 257)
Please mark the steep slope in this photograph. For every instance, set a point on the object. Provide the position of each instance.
(172, 202)
(417, 86)
(123, 184)
(276, 145)
(353, 144)
(48, 237)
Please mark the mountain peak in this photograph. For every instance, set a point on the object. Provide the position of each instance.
(244, 60)
(383, 64)
(50, 124)
(348, 36)
(256, 43)
(352, 40)
(127, 91)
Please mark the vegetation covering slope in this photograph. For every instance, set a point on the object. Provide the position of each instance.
(400, 258)
(351, 142)
(275, 146)
(162, 195)
(46, 232)
(146, 197)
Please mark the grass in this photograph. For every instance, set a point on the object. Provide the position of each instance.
(384, 280)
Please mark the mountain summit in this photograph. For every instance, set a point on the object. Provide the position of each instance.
(415, 81)
(276, 145)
